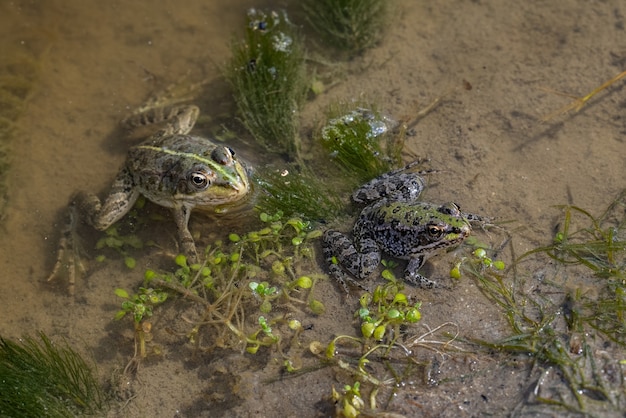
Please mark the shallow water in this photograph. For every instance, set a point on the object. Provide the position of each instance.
(97, 60)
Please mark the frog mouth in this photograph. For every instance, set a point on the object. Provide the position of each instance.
(232, 188)
(227, 191)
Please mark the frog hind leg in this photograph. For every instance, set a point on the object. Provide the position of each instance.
(395, 185)
(69, 264)
(178, 120)
(341, 255)
(413, 277)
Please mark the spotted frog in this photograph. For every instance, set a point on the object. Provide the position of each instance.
(172, 169)
(394, 222)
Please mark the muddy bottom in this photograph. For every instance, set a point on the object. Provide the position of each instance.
(497, 67)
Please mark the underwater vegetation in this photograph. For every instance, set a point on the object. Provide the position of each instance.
(579, 102)
(267, 75)
(42, 379)
(388, 351)
(251, 289)
(349, 25)
(570, 332)
(269, 82)
(297, 193)
(361, 143)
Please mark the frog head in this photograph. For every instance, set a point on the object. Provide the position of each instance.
(215, 180)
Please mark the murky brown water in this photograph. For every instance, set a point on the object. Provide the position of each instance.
(97, 60)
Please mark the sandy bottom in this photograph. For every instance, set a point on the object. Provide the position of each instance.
(492, 64)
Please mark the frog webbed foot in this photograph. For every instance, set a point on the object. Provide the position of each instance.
(413, 277)
(69, 264)
(418, 280)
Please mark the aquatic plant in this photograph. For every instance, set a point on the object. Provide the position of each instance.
(387, 308)
(361, 142)
(122, 236)
(140, 306)
(42, 379)
(562, 332)
(384, 354)
(351, 25)
(349, 403)
(267, 76)
(298, 192)
(242, 283)
(579, 102)
(600, 246)
(119, 242)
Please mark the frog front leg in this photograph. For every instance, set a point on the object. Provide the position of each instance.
(413, 277)
(181, 217)
(121, 198)
(341, 255)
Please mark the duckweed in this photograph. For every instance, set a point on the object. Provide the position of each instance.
(386, 309)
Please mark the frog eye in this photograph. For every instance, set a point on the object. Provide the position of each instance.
(199, 180)
(435, 231)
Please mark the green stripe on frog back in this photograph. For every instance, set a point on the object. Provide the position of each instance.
(215, 166)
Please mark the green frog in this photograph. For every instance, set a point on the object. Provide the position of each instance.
(394, 222)
(170, 168)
